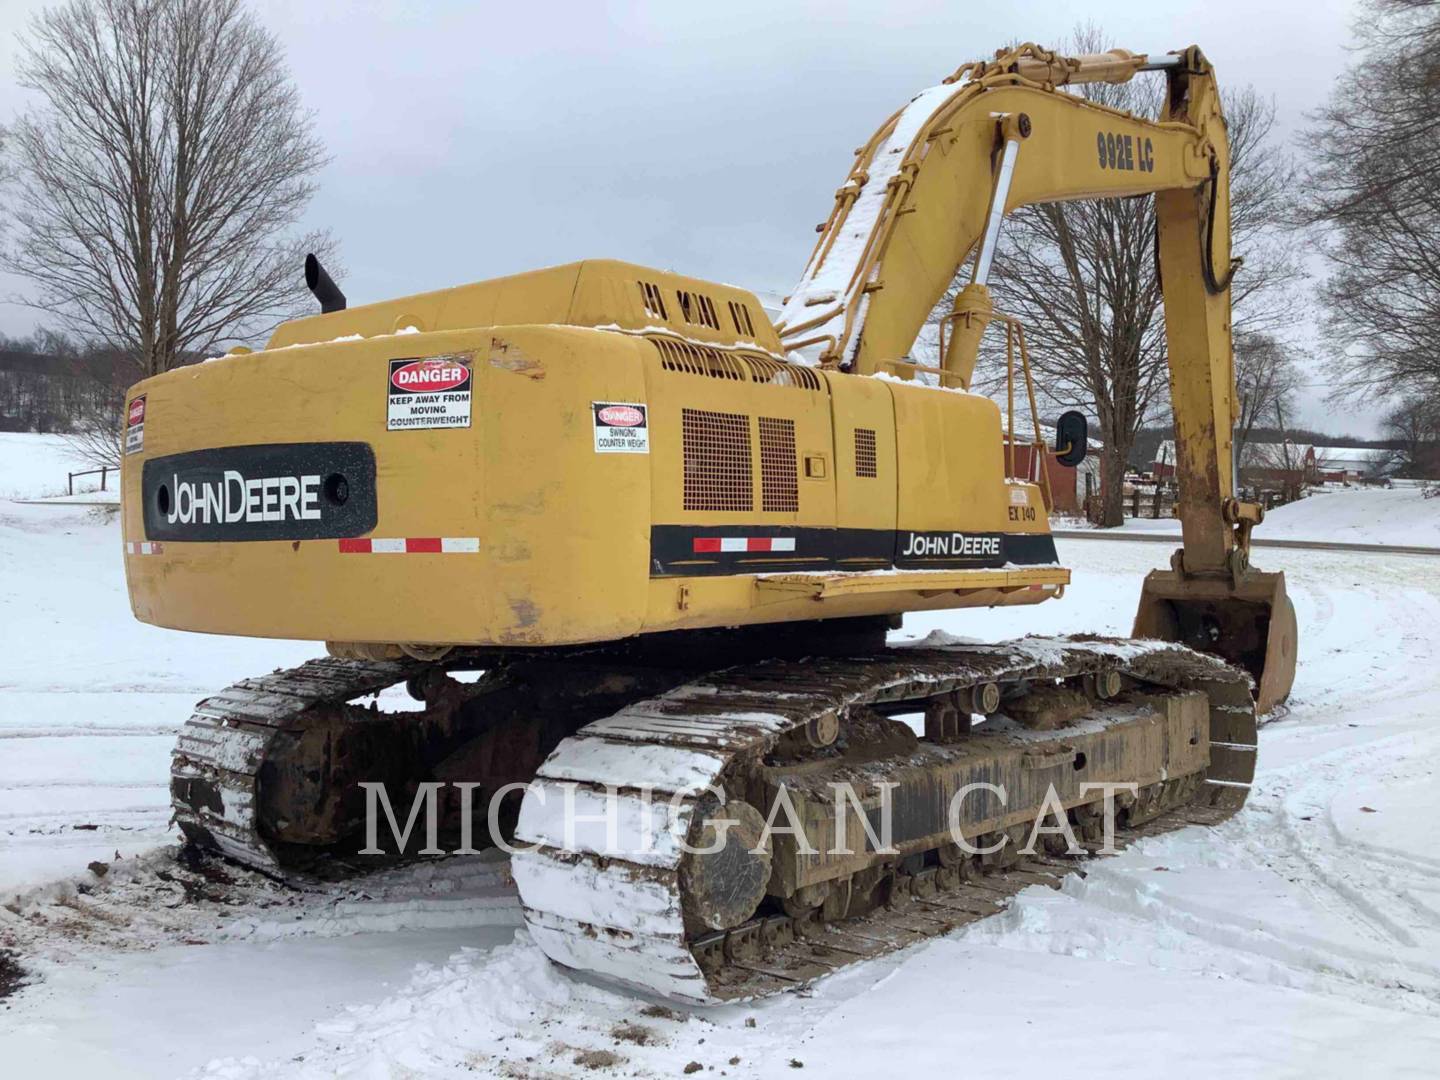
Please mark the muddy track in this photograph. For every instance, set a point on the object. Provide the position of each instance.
(12, 975)
(634, 913)
(243, 784)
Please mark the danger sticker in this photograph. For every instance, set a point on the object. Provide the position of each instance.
(621, 427)
(429, 392)
(135, 426)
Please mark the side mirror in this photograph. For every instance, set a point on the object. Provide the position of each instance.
(1072, 438)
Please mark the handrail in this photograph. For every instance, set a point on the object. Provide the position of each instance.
(1014, 334)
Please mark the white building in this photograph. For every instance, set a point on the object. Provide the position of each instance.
(1355, 462)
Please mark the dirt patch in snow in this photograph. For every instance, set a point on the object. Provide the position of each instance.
(12, 975)
(638, 1034)
(597, 1059)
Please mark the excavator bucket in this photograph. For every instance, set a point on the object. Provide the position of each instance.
(1251, 625)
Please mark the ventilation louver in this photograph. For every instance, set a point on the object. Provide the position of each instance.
(718, 472)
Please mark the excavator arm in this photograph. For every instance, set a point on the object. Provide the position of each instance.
(928, 193)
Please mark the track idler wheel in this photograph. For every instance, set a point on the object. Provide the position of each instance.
(723, 877)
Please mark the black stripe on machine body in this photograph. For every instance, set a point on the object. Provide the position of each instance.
(674, 551)
(931, 550)
(1030, 549)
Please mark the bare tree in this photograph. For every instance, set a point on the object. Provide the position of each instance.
(1374, 184)
(1081, 276)
(160, 172)
(1266, 379)
(1414, 426)
(7, 170)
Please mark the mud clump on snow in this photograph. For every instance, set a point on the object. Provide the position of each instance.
(12, 975)
(198, 876)
(632, 1033)
(597, 1059)
(660, 1012)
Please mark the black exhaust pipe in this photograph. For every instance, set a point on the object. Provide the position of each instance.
(319, 283)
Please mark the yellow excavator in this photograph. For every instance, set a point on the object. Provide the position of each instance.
(634, 551)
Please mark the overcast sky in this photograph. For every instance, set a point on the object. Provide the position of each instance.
(476, 139)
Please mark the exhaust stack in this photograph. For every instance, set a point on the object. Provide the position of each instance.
(319, 283)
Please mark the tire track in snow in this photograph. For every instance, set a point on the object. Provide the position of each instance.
(160, 899)
(90, 731)
(1354, 637)
(1295, 804)
(1260, 948)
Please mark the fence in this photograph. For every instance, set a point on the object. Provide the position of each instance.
(1146, 499)
(104, 472)
(1159, 503)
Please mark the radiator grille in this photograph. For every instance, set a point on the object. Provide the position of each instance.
(698, 309)
(765, 370)
(718, 473)
(779, 483)
(865, 452)
(740, 316)
(695, 359)
(653, 300)
(698, 360)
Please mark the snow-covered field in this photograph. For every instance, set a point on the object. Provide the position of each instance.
(1302, 938)
(1398, 516)
(89, 698)
(35, 466)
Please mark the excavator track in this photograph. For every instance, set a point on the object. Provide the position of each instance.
(215, 771)
(267, 771)
(632, 906)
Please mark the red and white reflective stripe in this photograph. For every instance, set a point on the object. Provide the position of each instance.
(411, 545)
(144, 547)
(705, 544)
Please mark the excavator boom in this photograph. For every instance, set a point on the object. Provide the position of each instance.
(928, 192)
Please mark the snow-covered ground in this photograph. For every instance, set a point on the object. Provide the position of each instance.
(89, 698)
(1302, 938)
(35, 466)
(1399, 516)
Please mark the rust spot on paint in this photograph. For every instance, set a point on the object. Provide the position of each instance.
(508, 357)
(512, 553)
(526, 613)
